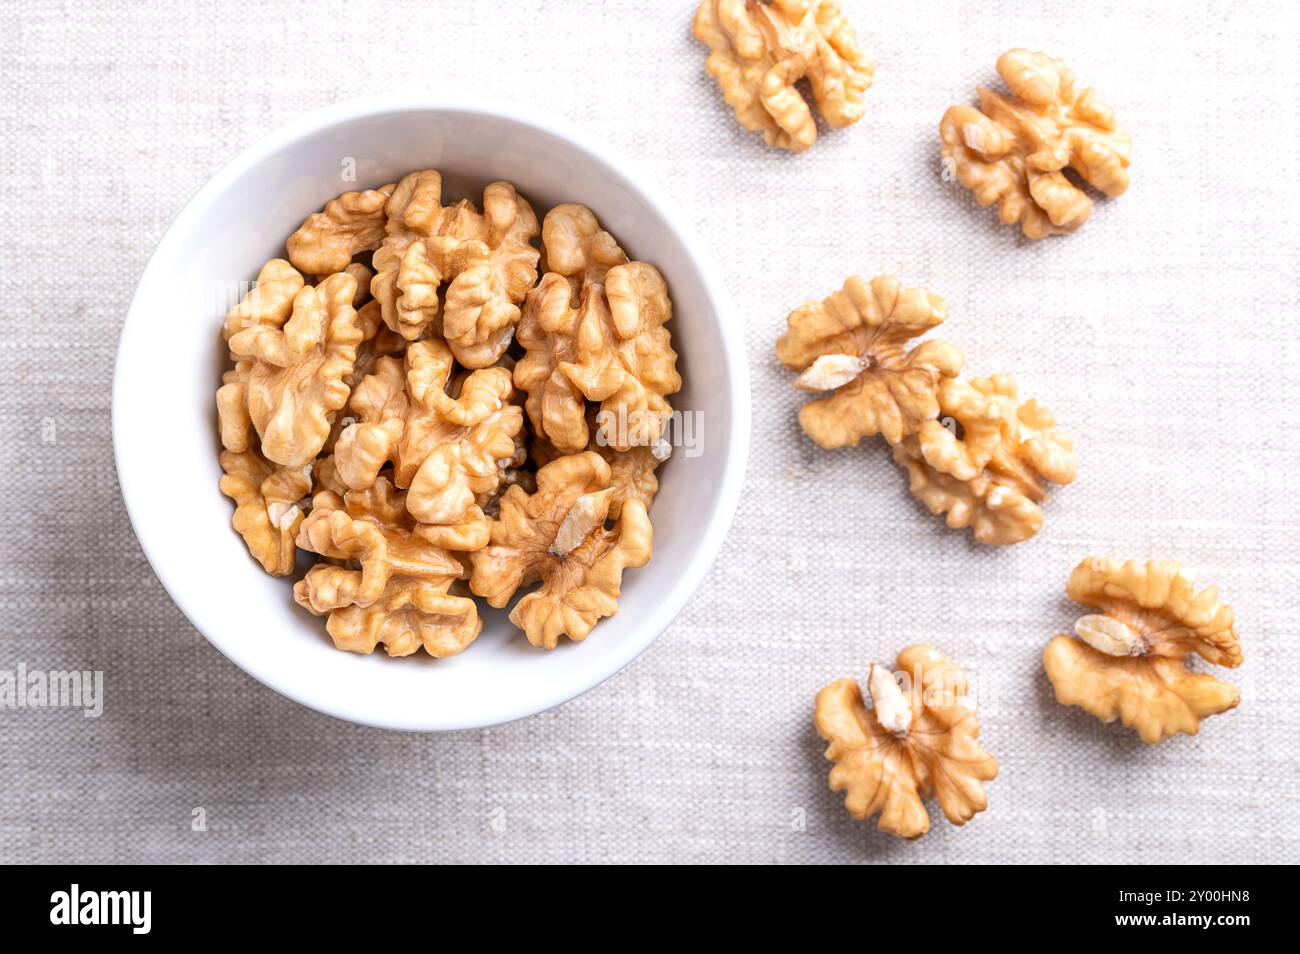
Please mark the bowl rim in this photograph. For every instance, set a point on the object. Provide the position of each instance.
(727, 496)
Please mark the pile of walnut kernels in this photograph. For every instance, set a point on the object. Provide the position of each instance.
(971, 449)
(412, 405)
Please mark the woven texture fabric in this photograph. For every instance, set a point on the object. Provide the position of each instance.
(1163, 334)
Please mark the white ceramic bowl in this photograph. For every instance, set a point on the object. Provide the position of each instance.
(168, 369)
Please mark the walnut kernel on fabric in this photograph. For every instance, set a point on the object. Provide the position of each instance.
(1129, 660)
(971, 449)
(398, 595)
(854, 343)
(558, 537)
(759, 50)
(918, 739)
(994, 477)
(1014, 151)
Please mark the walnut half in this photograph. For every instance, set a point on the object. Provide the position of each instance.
(992, 478)
(593, 330)
(971, 449)
(759, 49)
(1013, 151)
(1129, 661)
(352, 223)
(398, 592)
(297, 373)
(919, 738)
(268, 509)
(559, 536)
(855, 345)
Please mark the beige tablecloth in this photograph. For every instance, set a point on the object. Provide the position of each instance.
(1164, 335)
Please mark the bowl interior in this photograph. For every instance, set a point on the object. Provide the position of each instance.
(171, 356)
